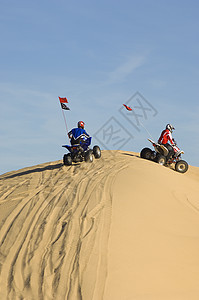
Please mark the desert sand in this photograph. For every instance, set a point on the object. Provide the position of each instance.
(121, 228)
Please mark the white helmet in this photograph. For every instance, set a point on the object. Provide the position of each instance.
(170, 127)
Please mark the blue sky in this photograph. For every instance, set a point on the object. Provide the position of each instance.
(98, 55)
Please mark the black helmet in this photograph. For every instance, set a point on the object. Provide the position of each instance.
(170, 127)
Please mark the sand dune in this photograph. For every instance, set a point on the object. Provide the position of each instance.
(119, 228)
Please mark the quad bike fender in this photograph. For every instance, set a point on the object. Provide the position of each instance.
(159, 148)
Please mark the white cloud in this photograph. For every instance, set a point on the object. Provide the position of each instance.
(126, 68)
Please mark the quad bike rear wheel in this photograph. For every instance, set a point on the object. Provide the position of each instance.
(89, 156)
(97, 151)
(146, 153)
(181, 166)
(67, 159)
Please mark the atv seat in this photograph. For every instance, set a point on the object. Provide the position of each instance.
(159, 148)
(162, 149)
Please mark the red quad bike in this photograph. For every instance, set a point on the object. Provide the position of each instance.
(160, 156)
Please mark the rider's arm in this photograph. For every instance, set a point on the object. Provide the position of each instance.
(170, 138)
(86, 134)
(70, 134)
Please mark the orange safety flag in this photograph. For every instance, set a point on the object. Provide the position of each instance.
(127, 107)
(63, 100)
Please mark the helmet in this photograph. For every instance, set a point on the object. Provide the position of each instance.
(170, 127)
(80, 124)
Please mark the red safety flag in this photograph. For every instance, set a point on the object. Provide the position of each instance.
(63, 100)
(127, 107)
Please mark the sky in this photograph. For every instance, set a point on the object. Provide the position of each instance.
(100, 55)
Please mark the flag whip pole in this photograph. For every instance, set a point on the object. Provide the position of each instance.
(65, 124)
(146, 129)
(130, 109)
(65, 121)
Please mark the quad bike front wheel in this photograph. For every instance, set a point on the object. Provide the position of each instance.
(160, 159)
(97, 151)
(181, 166)
(89, 156)
(146, 153)
(67, 159)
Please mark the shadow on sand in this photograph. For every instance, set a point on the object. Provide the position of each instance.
(129, 154)
(49, 167)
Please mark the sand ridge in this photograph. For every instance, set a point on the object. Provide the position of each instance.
(104, 230)
(54, 229)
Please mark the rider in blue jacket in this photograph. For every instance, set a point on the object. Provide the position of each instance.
(77, 135)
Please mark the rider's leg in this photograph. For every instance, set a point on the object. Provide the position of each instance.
(171, 151)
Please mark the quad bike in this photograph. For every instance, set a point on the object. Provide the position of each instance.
(81, 152)
(160, 156)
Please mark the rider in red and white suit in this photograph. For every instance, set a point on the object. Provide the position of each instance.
(166, 137)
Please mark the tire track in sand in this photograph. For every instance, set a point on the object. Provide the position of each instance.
(53, 245)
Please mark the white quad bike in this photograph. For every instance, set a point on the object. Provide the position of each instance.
(160, 156)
